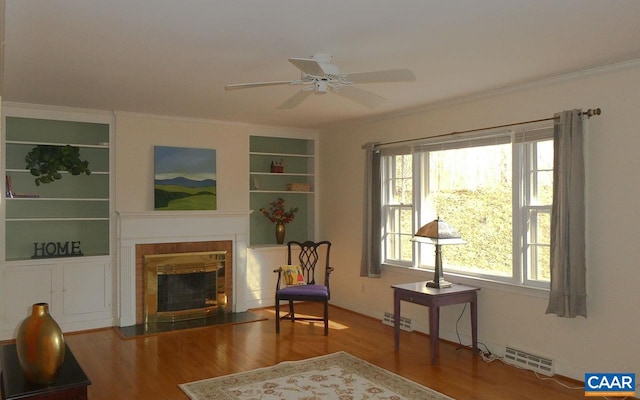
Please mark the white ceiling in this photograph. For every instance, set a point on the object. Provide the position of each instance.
(172, 57)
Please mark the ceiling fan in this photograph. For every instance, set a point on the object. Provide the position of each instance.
(319, 75)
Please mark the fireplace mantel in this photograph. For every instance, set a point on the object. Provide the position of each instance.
(186, 226)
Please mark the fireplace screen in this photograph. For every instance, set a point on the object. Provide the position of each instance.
(183, 286)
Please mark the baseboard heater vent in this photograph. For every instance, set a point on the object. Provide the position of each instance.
(529, 361)
(406, 324)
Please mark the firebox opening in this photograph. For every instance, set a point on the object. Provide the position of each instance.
(182, 286)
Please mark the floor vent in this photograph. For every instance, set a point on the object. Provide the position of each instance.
(406, 324)
(529, 361)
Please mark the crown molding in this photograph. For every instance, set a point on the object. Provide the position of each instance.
(256, 127)
(522, 86)
(28, 110)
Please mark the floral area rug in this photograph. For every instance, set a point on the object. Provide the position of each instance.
(339, 376)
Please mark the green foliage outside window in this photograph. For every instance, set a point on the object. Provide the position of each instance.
(483, 219)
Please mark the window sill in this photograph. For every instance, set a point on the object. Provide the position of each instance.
(420, 274)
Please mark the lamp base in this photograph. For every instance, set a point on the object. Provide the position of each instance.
(439, 284)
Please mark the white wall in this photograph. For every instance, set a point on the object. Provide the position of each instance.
(136, 136)
(609, 339)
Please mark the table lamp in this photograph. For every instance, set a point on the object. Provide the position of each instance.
(438, 232)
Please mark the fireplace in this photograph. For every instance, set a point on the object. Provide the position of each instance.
(143, 234)
(180, 258)
(183, 286)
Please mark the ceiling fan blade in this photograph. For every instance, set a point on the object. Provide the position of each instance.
(235, 86)
(361, 96)
(308, 66)
(296, 99)
(392, 75)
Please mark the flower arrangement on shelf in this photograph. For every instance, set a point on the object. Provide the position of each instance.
(277, 213)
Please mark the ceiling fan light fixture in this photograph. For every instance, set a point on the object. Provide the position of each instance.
(321, 86)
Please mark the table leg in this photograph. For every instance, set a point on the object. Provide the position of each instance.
(474, 322)
(434, 331)
(396, 319)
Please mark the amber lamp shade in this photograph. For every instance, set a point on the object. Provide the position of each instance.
(438, 233)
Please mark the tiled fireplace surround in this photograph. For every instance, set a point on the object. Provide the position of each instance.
(137, 233)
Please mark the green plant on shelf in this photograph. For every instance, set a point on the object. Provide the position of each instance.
(46, 161)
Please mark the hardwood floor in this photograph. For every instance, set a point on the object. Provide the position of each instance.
(151, 367)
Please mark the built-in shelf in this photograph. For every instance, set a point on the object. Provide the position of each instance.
(75, 208)
(297, 158)
(56, 245)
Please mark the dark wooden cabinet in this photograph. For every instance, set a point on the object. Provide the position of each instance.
(70, 384)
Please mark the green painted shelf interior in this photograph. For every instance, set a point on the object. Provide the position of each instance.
(297, 156)
(267, 144)
(75, 208)
(263, 231)
(98, 157)
(54, 131)
(93, 236)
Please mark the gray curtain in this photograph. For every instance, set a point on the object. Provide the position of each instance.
(568, 297)
(370, 264)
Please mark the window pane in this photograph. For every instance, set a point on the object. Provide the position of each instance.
(391, 249)
(471, 190)
(399, 233)
(542, 173)
(544, 228)
(401, 175)
(406, 228)
(538, 257)
(545, 154)
(542, 271)
(544, 188)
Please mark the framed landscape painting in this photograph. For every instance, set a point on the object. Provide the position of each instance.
(184, 178)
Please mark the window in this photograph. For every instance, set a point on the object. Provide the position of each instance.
(536, 209)
(398, 186)
(496, 190)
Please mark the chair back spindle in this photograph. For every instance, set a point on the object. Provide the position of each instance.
(308, 257)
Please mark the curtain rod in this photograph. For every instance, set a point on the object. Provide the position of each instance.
(592, 112)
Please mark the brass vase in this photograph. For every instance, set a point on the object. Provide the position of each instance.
(40, 346)
(280, 233)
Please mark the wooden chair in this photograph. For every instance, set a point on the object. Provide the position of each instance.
(308, 290)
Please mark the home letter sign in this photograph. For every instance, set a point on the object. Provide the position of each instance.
(56, 249)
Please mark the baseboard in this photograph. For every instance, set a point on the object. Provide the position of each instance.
(563, 370)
